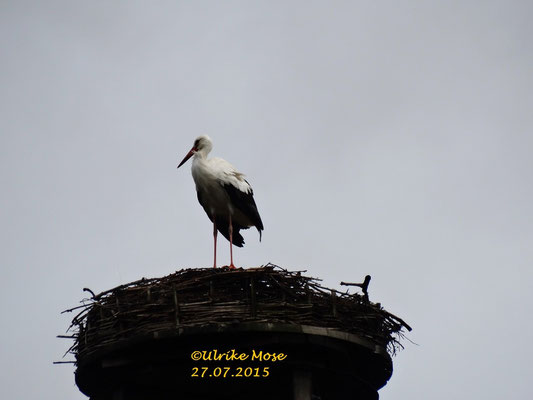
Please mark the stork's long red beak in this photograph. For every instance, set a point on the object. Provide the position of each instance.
(189, 155)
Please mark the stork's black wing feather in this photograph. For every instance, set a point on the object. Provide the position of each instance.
(223, 227)
(246, 204)
(222, 224)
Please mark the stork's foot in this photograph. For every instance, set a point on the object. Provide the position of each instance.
(231, 266)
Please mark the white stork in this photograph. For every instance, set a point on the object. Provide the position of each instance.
(225, 195)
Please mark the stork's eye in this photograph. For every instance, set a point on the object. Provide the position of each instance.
(196, 143)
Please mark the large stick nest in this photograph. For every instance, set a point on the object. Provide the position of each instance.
(200, 297)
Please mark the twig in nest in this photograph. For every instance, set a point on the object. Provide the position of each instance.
(363, 286)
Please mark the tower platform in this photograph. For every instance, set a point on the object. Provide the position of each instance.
(262, 333)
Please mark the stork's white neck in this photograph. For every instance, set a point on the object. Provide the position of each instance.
(201, 154)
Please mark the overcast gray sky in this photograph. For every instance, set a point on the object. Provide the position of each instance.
(390, 138)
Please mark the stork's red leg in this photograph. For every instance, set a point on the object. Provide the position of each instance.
(215, 239)
(231, 243)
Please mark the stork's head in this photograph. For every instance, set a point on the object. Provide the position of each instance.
(202, 145)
